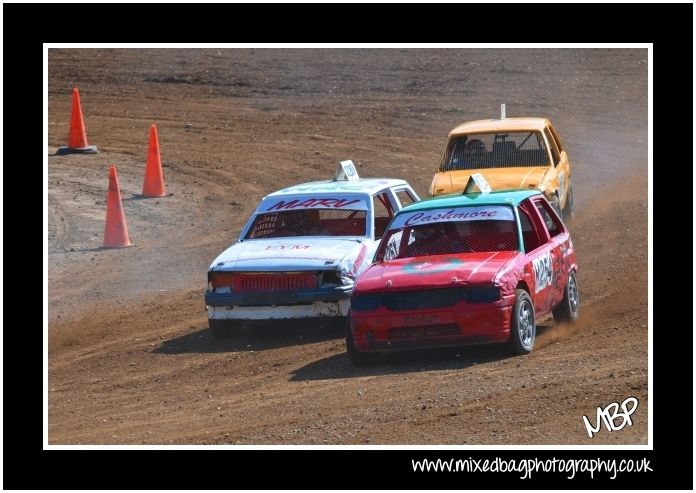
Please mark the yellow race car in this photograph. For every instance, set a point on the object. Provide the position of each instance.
(509, 153)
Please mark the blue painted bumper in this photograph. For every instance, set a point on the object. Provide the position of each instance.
(277, 298)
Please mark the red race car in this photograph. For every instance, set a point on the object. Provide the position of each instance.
(465, 269)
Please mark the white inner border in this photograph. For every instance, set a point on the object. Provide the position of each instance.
(649, 446)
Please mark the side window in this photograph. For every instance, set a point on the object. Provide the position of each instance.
(531, 236)
(383, 213)
(405, 197)
(553, 147)
(451, 156)
(558, 141)
(553, 224)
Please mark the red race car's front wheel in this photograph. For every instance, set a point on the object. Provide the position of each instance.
(357, 357)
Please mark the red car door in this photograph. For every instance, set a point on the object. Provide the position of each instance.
(539, 248)
(559, 243)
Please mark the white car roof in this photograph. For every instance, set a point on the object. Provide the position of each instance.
(363, 185)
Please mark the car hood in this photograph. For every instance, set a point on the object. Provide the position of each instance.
(498, 178)
(435, 271)
(284, 254)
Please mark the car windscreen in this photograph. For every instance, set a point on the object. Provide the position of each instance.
(308, 222)
(495, 150)
(449, 231)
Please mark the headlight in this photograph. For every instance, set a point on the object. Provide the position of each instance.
(220, 280)
(482, 294)
(330, 277)
(365, 302)
(337, 277)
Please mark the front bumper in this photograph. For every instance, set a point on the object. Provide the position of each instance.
(463, 324)
(310, 310)
(323, 302)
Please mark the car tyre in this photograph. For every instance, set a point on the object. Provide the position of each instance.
(523, 326)
(569, 307)
(556, 204)
(568, 213)
(357, 357)
(224, 329)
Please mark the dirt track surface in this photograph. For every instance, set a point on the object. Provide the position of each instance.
(130, 358)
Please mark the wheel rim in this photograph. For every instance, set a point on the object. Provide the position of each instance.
(573, 294)
(526, 324)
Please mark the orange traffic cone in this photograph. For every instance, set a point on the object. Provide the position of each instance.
(77, 140)
(115, 230)
(153, 186)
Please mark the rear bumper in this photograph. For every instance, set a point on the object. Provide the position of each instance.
(462, 324)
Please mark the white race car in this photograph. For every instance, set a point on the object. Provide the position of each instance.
(300, 252)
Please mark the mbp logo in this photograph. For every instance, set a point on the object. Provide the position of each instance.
(609, 414)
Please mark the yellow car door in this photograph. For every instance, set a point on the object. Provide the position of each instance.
(557, 179)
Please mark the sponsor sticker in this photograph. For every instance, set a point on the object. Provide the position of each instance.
(478, 213)
(316, 203)
(421, 267)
